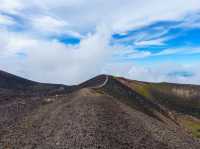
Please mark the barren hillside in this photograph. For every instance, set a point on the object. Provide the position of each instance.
(105, 112)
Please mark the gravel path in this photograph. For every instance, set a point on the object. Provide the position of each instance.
(87, 119)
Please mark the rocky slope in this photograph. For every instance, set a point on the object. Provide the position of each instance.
(182, 101)
(104, 112)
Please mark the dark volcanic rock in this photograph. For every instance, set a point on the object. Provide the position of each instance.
(9, 81)
(112, 116)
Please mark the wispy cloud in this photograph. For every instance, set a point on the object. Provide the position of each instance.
(123, 53)
(159, 42)
(43, 23)
(181, 50)
(6, 20)
(190, 21)
(48, 24)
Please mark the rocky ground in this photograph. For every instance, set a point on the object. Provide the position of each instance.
(109, 117)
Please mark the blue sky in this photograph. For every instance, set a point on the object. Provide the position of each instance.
(69, 41)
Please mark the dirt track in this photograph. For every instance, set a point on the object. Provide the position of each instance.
(86, 119)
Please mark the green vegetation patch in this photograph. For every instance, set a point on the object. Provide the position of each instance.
(143, 90)
(193, 126)
(146, 89)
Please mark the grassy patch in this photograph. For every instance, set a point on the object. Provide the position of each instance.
(193, 126)
(143, 90)
(146, 89)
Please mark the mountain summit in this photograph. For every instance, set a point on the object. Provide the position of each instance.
(104, 112)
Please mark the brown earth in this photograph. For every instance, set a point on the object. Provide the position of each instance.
(113, 116)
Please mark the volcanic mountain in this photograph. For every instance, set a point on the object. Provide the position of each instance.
(105, 112)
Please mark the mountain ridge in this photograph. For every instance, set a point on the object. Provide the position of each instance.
(103, 112)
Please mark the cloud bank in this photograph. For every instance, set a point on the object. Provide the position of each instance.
(31, 45)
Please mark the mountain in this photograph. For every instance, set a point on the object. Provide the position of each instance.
(9, 81)
(104, 112)
(18, 85)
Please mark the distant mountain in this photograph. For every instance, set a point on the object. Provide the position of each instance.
(9, 81)
(104, 112)
(27, 87)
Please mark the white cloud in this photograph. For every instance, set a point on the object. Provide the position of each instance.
(156, 72)
(48, 24)
(158, 42)
(128, 53)
(52, 61)
(120, 16)
(5, 20)
(160, 73)
(181, 50)
(11, 6)
(148, 37)
(190, 21)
